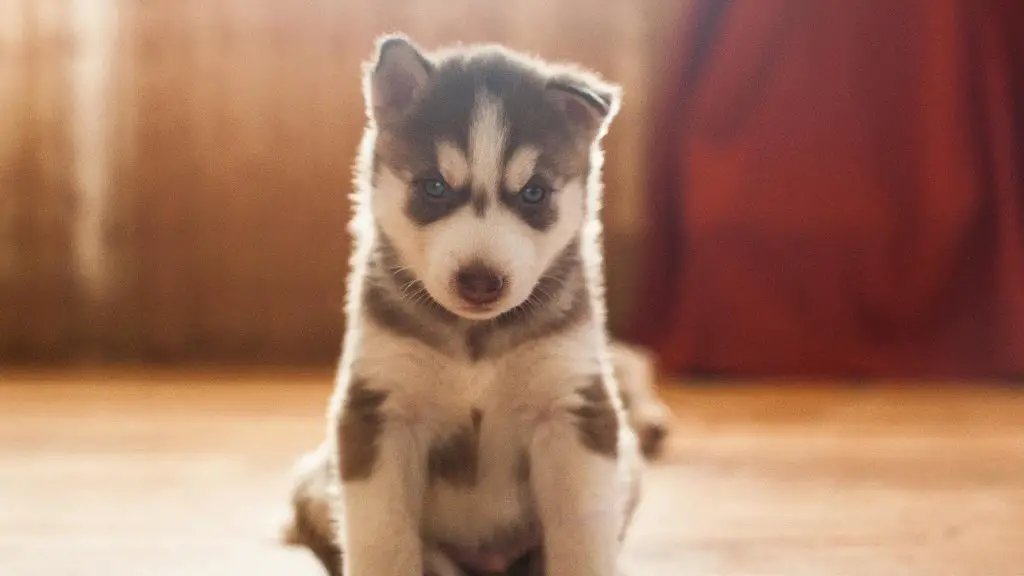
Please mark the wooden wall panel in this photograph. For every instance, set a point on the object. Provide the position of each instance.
(38, 293)
(229, 133)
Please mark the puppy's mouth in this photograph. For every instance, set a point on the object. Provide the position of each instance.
(470, 308)
(475, 311)
(479, 311)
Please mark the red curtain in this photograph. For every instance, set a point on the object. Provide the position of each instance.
(838, 191)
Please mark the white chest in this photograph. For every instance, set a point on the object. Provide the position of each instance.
(472, 422)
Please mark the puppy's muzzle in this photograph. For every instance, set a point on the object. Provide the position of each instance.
(479, 284)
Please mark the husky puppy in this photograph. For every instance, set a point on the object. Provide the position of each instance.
(477, 425)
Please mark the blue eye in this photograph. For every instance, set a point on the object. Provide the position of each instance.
(433, 188)
(533, 194)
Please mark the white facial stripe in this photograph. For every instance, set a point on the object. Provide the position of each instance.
(520, 167)
(501, 240)
(453, 164)
(487, 135)
(388, 204)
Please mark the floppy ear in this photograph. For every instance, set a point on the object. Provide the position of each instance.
(588, 103)
(395, 79)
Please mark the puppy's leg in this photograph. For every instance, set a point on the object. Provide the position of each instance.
(648, 415)
(576, 481)
(312, 524)
(383, 476)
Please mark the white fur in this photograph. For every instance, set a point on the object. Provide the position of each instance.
(526, 399)
(453, 164)
(392, 520)
(488, 133)
(382, 515)
(520, 167)
(435, 253)
(577, 494)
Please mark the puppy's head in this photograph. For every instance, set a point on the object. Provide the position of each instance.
(480, 167)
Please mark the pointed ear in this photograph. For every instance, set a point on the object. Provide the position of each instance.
(588, 103)
(395, 79)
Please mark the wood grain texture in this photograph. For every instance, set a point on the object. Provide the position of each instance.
(39, 304)
(164, 474)
(210, 183)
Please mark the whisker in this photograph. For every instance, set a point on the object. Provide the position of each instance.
(419, 296)
(545, 292)
(560, 281)
(411, 284)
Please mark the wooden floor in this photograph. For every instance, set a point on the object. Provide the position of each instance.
(176, 475)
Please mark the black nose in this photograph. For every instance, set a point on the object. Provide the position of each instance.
(479, 284)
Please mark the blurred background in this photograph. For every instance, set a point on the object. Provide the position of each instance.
(175, 174)
(824, 191)
(793, 187)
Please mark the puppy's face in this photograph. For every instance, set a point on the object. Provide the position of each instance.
(480, 168)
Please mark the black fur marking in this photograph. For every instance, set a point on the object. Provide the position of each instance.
(480, 203)
(601, 102)
(540, 216)
(444, 112)
(424, 210)
(396, 300)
